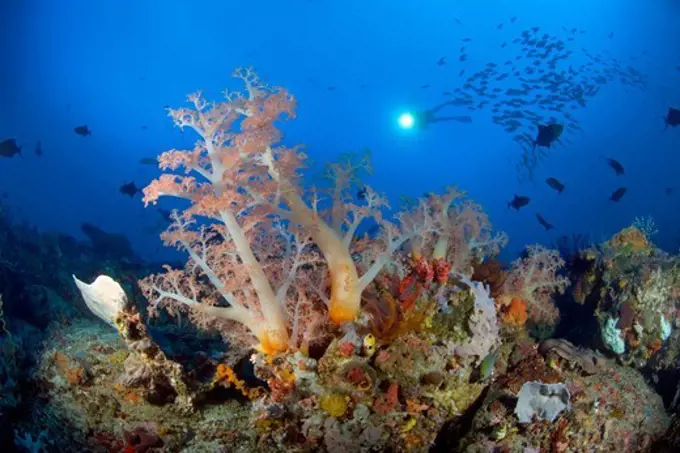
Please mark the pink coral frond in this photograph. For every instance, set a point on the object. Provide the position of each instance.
(169, 185)
(535, 278)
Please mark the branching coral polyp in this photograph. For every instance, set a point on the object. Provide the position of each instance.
(251, 236)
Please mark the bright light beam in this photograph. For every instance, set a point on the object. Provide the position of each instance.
(406, 121)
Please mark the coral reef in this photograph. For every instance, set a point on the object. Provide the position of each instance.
(612, 409)
(286, 330)
(636, 298)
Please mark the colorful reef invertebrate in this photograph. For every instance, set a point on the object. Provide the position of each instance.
(264, 250)
(535, 279)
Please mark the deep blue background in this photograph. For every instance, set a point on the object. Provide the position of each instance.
(113, 65)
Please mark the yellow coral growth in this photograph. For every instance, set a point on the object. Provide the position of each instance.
(631, 238)
(226, 374)
(335, 404)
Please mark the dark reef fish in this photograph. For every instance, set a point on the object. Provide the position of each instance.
(38, 149)
(618, 194)
(672, 117)
(362, 193)
(544, 223)
(148, 161)
(616, 166)
(9, 148)
(548, 134)
(129, 189)
(441, 61)
(519, 202)
(555, 184)
(83, 130)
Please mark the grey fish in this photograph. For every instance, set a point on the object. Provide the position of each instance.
(83, 130)
(548, 134)
(618, 194)
(519, 202)
(555, 184)
(8, 148)
(130, 189)
(616, 166)
(544, 223)
(672, 117)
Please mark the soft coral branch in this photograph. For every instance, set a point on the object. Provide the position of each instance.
(227, 162)
(535, 278)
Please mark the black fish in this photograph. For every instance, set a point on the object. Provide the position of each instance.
(618, 194)
(547, 134)
(672, 117)
(441, 61)
(611, 35)
(83, 130)
(544, 223)
(129, 189)
(519, 202)
(427, 85)
(513, 19)
(555, 184)
(362, 193)
(148, 161)
(669, 190)
(616, 165)
(38, 149)
(8, 148)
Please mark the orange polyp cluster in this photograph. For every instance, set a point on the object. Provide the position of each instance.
(226, 374)
(516, 313)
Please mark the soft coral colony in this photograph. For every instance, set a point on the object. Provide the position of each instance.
(272, 248)
(363, 341)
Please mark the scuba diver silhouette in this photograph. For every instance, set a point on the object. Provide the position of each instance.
(429, 116)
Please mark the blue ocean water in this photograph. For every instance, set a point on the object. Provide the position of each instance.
(354, 67)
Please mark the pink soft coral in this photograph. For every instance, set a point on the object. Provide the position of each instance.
(459, 231)
(264, 250)
(535, 279)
